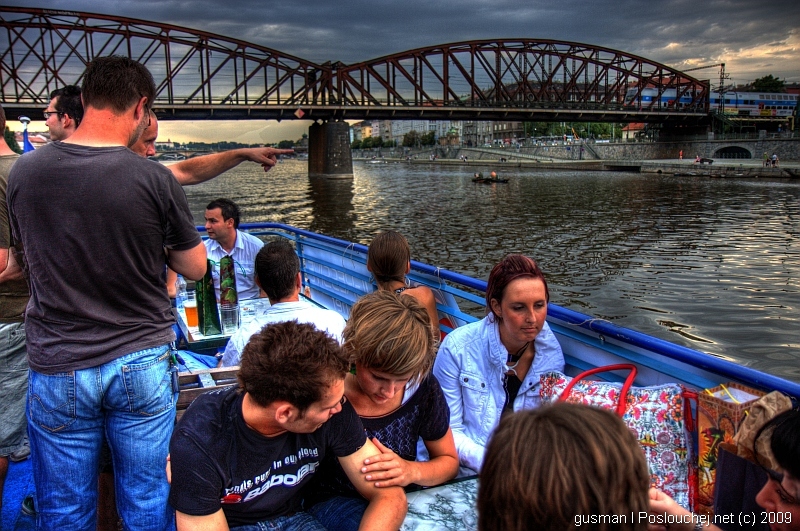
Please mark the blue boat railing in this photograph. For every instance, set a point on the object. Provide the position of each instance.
(457, 286)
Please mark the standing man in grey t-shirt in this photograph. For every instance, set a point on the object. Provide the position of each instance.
(97, 224)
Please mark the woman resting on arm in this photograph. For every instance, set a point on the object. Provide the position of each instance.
(389, 261)
(390, 343)
(492, 366)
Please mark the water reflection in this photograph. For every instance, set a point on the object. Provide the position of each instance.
(331, 205)
(708, 263)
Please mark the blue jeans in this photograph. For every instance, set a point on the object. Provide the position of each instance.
(13, 381)
(297, 522)
(130, 401)
(340, 513)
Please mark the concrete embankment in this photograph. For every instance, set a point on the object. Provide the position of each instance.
(719, 168)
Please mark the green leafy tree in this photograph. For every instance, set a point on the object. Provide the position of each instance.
(377, 141)
(356, 144)
(768, 84)
(411, 139)
(366, 143)
(286, 144)
(11, 141)
(428, 139)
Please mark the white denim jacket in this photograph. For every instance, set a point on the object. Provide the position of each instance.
(470, 367)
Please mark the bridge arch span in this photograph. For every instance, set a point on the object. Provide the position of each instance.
(200, 75)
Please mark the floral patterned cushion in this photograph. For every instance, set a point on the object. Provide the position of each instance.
(656, 417)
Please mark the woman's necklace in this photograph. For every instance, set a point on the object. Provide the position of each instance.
(514, 358)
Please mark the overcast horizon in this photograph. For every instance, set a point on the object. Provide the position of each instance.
(753, 39)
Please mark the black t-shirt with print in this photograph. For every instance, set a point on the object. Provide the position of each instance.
(217, 461)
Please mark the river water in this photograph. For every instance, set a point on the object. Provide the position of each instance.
(712, 264)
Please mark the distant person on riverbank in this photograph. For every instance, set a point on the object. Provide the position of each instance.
(680, 155)
(277, 273)
(64, 112)
(389, 261)
(225, 239)
(774, 160)
(13, 356)
(91, 378)
(242, 456)
(766, 160)
(492, 366)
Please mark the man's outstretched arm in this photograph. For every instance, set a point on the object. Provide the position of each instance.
(200, 169)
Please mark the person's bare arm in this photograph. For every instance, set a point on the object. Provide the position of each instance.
(211, 522)
(9, 268)
(389, 469)
(200, 169)
(387, 506)
(190, 263)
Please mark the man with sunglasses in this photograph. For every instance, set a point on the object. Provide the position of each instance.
(242, 457)
(64, 112)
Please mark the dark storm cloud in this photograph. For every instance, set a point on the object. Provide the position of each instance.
(755, 38)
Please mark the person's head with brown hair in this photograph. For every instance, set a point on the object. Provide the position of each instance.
(388, 257)
(291, 362)
(545, 468)
(509, 269)
(117, 83)
(389, 335)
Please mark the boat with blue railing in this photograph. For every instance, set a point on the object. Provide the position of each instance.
(336, 275)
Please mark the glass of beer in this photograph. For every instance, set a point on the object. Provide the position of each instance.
(190, 309)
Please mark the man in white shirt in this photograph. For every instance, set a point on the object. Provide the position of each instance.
(225, 239)
(278, 274)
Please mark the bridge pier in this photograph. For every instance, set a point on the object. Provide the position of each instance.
(329, 150)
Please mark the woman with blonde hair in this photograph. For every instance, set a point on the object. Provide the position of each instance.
(389, 261)
(391, 347)
(563, 466)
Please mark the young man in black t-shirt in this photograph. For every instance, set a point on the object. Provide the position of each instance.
(243, 455)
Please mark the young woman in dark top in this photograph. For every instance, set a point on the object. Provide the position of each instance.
(389, 340)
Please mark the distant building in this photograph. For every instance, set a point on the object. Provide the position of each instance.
(633, 131)
(36, 139)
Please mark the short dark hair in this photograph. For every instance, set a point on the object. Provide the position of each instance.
(510, 268)
(229, 209)
(69, 102)
(292, 362)
(2, 120)
(117, 82)
(545, 466)
(784, 440)
(277, 266)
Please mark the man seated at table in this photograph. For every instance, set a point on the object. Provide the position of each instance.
(242, 455)
(278, 274)
(225, 239)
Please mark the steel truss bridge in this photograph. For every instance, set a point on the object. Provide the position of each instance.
(201, 75)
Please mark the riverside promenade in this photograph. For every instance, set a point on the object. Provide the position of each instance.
(742, 168)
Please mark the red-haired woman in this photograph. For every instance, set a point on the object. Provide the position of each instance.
(492, 366)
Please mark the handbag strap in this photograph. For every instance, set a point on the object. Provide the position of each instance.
(625, 386)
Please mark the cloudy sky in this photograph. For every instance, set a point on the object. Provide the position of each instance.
(754, 38)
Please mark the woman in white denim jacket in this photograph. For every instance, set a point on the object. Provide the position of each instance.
(478, 363)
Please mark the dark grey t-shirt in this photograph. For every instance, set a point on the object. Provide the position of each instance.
(94, 223)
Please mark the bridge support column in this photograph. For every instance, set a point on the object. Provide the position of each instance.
(329, 150)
